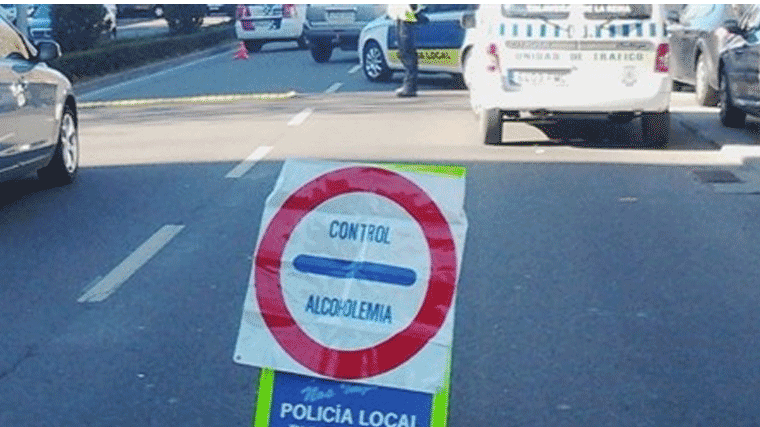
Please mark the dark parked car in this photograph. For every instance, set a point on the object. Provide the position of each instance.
(38, 115)
(696, 39)
(740, 73)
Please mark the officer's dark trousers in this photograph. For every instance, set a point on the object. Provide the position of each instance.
(408, 54)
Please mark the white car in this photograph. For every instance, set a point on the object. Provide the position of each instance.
(256, 24)
(439, 43)
(539, 61)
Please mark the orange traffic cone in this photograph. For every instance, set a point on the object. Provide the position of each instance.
(242, 52)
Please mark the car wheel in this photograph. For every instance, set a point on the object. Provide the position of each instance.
(302, 42)
(64, 165)
(730, 116)
(704, 93)
(490, 126)
(158, 11)
(253, 45)
(321, 51)
(375, 68)
(655, 129)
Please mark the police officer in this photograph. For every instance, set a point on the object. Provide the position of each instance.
(406, 16)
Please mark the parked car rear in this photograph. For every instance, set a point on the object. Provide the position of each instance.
(337, 25)
(256, 24)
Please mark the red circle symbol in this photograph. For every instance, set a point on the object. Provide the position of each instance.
(394, 351)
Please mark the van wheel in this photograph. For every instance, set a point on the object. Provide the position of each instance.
(704, 93)
(253, 45)
(321, 51)
(655, 129)
(490, 126)
(730, 116)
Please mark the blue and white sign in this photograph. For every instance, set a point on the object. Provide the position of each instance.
(300, 401)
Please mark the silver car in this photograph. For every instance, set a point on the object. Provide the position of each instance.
(38, 113)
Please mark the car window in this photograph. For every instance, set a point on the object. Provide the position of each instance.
(694, 11)
(11, 43)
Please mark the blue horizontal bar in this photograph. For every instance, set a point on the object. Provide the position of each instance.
(343, 269)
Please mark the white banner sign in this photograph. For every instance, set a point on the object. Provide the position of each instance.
(355, 271)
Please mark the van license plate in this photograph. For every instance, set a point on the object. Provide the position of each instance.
(341, 17)
(540, 78)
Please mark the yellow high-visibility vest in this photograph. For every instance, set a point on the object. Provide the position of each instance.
(404, 12)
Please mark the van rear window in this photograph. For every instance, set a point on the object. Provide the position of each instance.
(590, 11)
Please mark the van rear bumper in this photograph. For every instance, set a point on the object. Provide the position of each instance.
(653, 98)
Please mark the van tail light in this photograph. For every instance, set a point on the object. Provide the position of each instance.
(662, 61)
(242, 11)
(288, 10)
(492, 54)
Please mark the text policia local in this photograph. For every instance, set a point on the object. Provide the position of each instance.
(338, 415)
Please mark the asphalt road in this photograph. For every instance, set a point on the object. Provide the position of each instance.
(602, 283)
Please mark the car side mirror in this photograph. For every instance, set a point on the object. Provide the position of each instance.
(467, 21)
(732, 26)
(673, 16)
(48, 50)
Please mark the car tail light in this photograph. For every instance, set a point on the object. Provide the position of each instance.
(242, 11)
(493, 55)
(288, 10)
(662, 61)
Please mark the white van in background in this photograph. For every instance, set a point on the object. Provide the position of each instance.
(534, 61)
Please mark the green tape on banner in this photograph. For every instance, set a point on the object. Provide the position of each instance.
(446, 170)
(264, 400)
(440, 412)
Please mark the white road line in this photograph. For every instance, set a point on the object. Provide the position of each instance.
(150, 76)
(109, 284)
(300, 117)
(248, 163)
(334, 87)
(355, 69)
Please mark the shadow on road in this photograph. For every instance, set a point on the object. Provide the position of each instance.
(23, 188)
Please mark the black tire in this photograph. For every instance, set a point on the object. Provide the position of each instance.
(373, 63)
(491, 126)
(730, 116)
(253, 45)
(704, 93)
(64, 165)
(302, 42)
(321, 51)
(655, 129)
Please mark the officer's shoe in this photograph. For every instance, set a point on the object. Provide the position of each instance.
(403, 92)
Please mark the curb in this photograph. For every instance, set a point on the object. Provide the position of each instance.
(205, 99)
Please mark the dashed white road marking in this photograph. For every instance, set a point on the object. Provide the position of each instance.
(355, 69)
(334, 87)
(109, 284)
(300, 117)
(248, 163)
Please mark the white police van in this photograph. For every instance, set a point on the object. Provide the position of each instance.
(538, 61)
